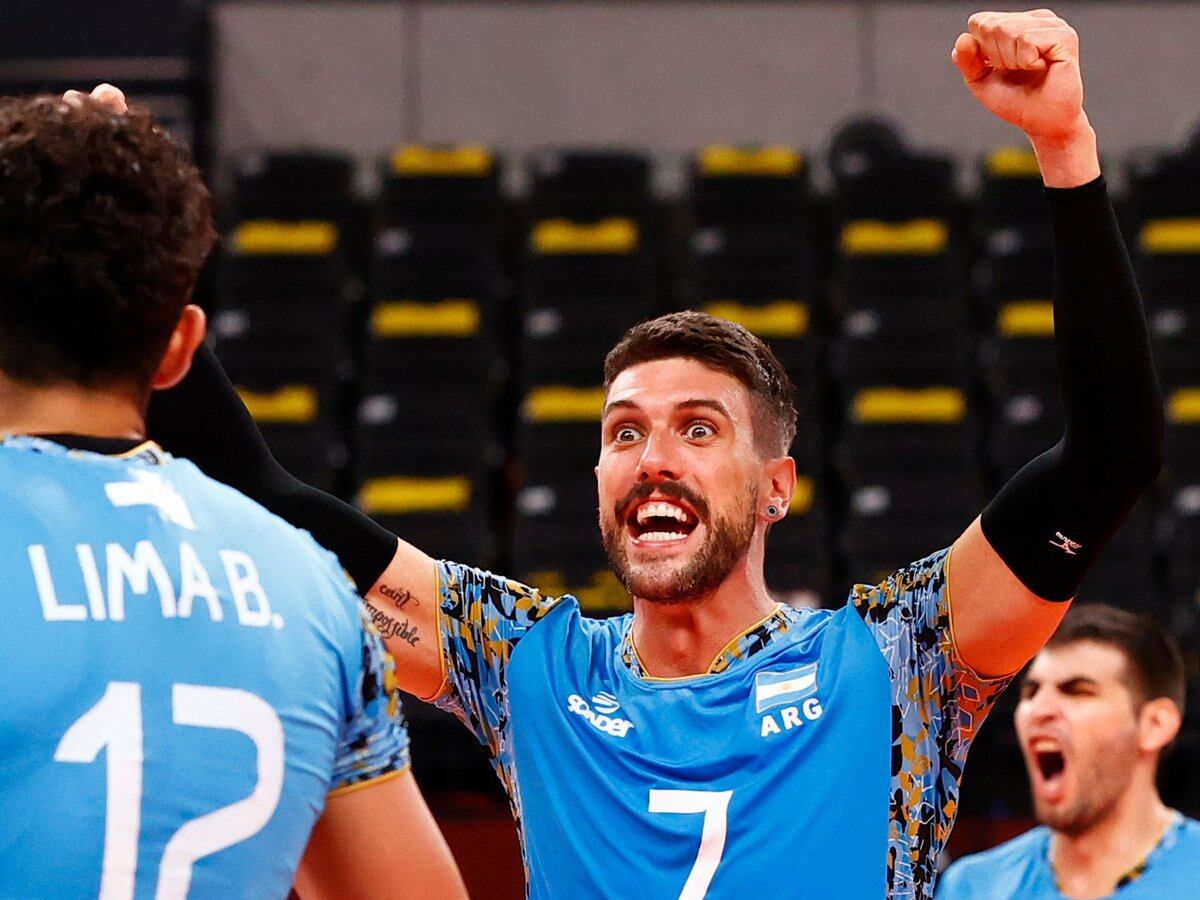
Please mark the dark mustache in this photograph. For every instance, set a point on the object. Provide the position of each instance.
(675, 489)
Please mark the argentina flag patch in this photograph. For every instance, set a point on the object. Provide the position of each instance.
(785, 688)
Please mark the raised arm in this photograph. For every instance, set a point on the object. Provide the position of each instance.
(204, 419)
(1014, 567)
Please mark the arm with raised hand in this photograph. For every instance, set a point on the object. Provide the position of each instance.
(204, 419)
(1014, 567)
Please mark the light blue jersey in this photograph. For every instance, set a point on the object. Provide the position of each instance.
(185, 679)
(819, 757)
(1021, 868)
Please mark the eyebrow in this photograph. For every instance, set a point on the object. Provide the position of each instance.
(694, 403)
(1073, 681)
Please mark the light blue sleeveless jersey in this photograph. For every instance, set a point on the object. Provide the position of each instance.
(185, 678)
(819, 757)
(1021, 868)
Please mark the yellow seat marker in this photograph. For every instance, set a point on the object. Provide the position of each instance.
(892, 405)
(781, 319)
(292, 404)
(400, 495)
(271, 237)
(409, 318)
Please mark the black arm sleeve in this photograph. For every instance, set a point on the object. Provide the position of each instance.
(1053, 519)
(204, 420)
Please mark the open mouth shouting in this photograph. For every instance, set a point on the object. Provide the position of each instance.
(660, 521)
(1047, 769)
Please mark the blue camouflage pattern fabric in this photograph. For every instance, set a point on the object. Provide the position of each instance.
(481, 620)
(937, 703)
(375, 742)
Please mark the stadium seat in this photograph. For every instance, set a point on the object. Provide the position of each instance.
(284, 293)
(427, 450)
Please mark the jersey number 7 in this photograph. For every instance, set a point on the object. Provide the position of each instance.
(115, 722)
(715, 806)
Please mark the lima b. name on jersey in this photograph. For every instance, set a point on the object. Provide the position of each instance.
(186, 678)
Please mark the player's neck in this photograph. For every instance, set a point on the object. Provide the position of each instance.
(69, 409)
(675, 640)
(1090, 863)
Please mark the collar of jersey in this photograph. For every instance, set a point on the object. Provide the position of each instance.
(146, 451)
(749, 643)
(1168, 839)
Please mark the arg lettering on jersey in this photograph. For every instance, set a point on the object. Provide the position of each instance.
(790, 692)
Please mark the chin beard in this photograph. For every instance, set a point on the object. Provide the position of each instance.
(725, 543)
(1083, 814)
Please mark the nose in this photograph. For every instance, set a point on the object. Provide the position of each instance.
(1041, 708)
(659, 461)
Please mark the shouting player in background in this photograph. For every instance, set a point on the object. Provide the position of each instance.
(1099, 707)
(715, 742)
(188, 680)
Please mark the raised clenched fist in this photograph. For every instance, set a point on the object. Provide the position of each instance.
(1024, 68)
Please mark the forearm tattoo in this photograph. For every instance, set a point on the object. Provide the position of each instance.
(387, 619)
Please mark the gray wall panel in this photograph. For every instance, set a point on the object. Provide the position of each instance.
(665, 76)
(297, 74)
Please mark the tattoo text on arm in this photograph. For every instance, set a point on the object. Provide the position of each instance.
(390, 626)
(399, 596)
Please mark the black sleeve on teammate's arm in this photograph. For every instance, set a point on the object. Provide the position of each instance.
(1053, 519)
(204, 420)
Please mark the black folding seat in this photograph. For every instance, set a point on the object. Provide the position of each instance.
(1182, 545)
(298, 422)
(589, 182)
(899, 279)
(896, 517)
(441, 181)
(799, 567)
(556, 537)
(1164, 213)
(1021, 368)
(426, 448)
(439, 512)
(282, 302)
(752, 230)
(1126, 573)
(1017, 259)
(591, 263)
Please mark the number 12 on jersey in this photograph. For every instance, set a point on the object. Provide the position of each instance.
(715, 806)
(115, 723)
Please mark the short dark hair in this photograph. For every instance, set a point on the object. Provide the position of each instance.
(723, 345)
(104, 226)
(1152, 656)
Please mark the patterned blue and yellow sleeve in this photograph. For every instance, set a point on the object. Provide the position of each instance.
(481, 620)
(375, 738)
(938, 704)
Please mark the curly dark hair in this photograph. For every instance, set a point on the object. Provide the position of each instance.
(104, 226)
(723, 345)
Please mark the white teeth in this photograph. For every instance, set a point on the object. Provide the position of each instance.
(666, 510)
(660, 536)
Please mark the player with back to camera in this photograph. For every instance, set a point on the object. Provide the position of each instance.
(715, 742)
(188, 680)
(1100, 705)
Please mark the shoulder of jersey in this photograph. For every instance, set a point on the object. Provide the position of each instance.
(1001, 856)
(246, 505)
(1191, 830)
